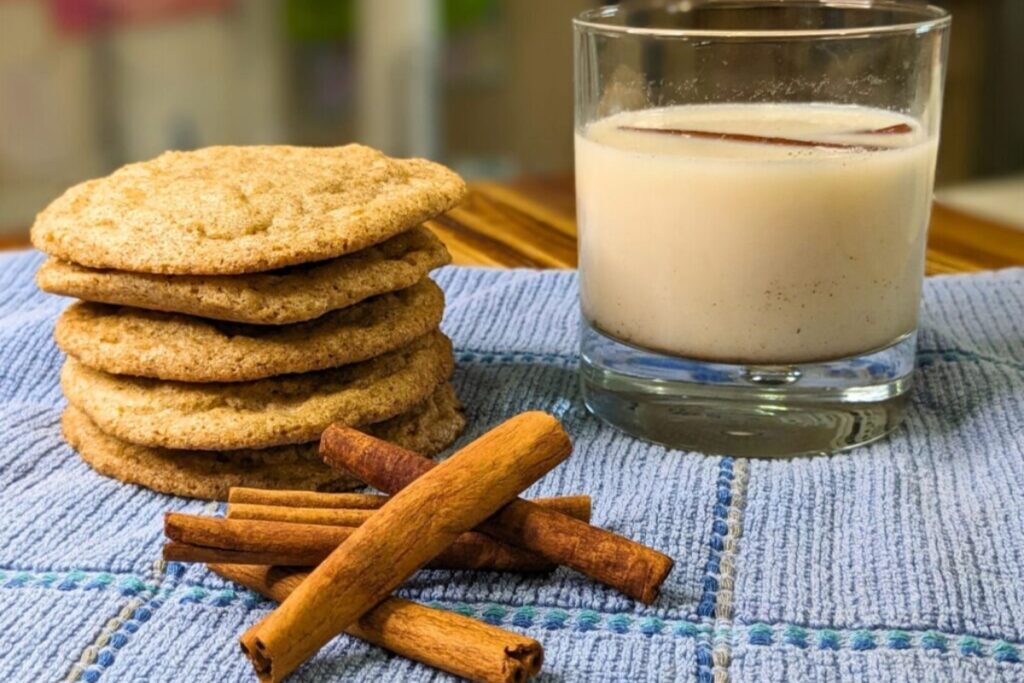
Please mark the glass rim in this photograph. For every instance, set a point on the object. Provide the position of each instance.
(933, 17)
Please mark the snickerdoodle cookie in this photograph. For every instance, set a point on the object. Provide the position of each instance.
(230, 210)
(268, 412)
(134, 341)
(278, 297)
(428, 428)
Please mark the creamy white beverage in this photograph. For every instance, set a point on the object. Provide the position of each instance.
(754, 233)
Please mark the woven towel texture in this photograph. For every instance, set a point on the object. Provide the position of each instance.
(901, 561)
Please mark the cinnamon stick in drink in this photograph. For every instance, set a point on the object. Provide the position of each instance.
(574, 506)
(628, 566)
(451, 642)
(411, 529)
(211, 539)
(899, 129)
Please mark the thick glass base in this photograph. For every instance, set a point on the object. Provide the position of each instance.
(749, 411)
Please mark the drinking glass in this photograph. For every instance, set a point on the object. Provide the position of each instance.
(754, 183)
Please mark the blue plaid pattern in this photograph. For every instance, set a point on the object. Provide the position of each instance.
(901, 561)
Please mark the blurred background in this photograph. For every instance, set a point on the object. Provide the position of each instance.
(483, 85)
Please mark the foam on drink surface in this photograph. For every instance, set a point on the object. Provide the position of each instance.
(755, 233)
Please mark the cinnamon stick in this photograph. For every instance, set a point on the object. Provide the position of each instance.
(775, 140)
(458, 644)
(898, 129)
(298, 515)
(574, 506)
(212, 539)
(174, 551)
(305, 499)
(411, 529)
(623, 564)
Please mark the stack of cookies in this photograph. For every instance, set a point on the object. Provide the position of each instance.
(238, 300)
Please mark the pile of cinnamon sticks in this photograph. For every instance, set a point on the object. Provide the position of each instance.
(462, 513)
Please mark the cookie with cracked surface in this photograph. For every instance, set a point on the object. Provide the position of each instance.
(288, 295)
(229, 210)
(269, 412)
(428, 428)
(170, 346)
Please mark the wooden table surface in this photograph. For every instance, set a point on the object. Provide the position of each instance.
(532, 223)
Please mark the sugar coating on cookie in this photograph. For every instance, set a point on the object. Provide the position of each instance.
(229, 210)
(268, 412)
(427, 428)
(132, 341)
(284, 296)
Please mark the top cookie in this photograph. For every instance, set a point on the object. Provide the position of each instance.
(231, 210)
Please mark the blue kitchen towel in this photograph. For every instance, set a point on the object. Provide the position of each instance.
(900, 561)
